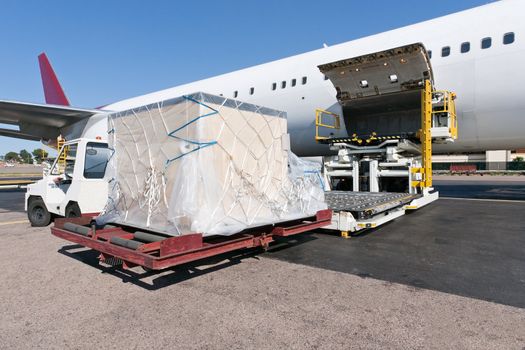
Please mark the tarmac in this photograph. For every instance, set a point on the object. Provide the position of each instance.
(20, 175)
(481, 187)
(451, 275)
(21, 169)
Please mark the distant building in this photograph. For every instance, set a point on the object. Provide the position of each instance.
(519, 153)
(490, 160)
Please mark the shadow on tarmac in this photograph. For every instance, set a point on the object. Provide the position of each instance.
(463, 247)
(153, 280)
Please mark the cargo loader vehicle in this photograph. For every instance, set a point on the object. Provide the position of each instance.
(390, 115)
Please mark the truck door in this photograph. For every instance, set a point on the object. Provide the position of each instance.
(88, 192)
(60, 178)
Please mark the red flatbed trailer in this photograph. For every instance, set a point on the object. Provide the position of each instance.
(173, 251)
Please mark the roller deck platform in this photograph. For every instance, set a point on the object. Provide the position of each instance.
(364, 205)
(356, 211)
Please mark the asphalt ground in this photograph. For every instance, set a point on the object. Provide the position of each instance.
(26, 177)
(19, 175)
(21, 169)
(471, 248)
(447, 276)
(482, 187)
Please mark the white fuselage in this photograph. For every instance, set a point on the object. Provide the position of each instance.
(488, 82)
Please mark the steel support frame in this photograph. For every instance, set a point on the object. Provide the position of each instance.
(174, 251)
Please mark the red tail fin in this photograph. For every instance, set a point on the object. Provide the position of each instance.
(52, 89)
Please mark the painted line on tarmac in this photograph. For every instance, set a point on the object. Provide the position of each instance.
(485, 199)
(15, 182)
(14, 222)
(10, 187)
(20, 174)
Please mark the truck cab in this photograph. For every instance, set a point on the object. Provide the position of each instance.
(73, 186)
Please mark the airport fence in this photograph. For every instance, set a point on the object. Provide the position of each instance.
(479, 166)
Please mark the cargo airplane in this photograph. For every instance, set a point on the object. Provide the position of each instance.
(477, 53)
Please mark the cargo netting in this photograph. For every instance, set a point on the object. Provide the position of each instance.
(207, 164)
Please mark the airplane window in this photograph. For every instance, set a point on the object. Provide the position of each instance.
(325, 77)
(486, 43)
(235, 94)
(274, 86)
(445, 51)
(508, 38)
(304, 80)
(429, 53)
(465, 47)
(252, 90)
(283, 84)
(294, 82)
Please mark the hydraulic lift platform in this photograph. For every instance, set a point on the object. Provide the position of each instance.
(391, 116)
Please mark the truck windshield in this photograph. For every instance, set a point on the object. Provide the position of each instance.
(97, 156)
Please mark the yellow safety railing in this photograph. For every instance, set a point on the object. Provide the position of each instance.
(320, 123)
(448, 107)
(425, 138)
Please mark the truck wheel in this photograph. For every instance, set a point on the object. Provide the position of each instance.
(37, 213)
(73, 211)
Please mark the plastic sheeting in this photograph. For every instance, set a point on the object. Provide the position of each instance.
(207, 164)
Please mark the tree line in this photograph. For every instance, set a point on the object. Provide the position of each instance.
(25, 157)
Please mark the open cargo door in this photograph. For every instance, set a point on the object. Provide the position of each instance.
(381, 92)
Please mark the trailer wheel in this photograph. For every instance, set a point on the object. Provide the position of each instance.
(72, 211)
(37, 213)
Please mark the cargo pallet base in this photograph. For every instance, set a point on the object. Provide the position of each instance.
(153, 251)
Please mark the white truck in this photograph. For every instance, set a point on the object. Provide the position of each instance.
(73, 186)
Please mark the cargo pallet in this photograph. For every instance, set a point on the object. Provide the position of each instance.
(122, 245)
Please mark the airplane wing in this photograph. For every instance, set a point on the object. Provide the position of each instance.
(42, 121)
(39, 121)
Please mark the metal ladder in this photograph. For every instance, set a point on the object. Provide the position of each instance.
(62, 156)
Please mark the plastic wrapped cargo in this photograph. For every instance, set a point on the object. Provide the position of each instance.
(207, 164)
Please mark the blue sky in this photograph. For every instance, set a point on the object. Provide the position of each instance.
(105, 51)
